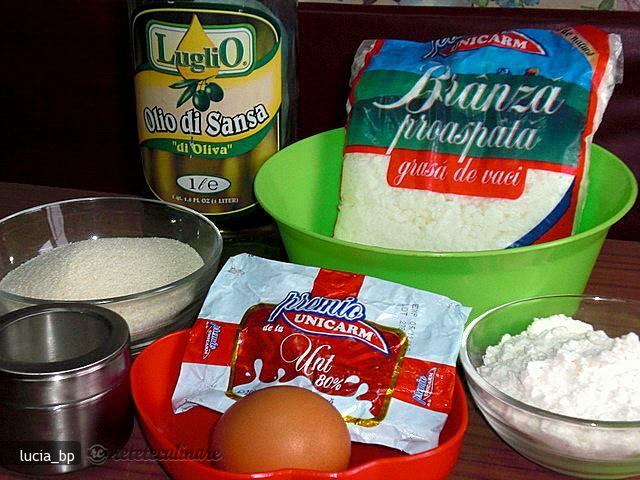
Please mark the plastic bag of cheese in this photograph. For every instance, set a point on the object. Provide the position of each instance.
(473, 143)
(383, 354)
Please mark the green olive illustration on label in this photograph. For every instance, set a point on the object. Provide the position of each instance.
(214, 91)
(196, 75)
(201, 101)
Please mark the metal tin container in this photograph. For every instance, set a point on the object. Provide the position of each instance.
(64, 377)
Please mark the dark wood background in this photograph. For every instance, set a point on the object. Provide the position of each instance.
(68, 114)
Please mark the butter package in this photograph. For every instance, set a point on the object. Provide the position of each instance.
(383, 354)
(475, 142)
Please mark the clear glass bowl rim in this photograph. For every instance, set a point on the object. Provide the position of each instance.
(134, 296)
(471, 371)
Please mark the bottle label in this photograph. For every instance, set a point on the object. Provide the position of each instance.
(209, 90)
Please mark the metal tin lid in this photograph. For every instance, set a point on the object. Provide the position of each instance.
(61, 353)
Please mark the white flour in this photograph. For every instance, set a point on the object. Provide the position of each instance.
(562, 365)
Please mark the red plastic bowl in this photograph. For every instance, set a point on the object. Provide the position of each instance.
(154, 375)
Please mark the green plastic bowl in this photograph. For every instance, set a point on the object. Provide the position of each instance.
(299, 187)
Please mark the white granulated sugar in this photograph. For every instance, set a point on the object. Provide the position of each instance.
(374, 213)
(562, 365)
(107, 268)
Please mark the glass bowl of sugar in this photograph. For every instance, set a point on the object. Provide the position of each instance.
(558, 379)
(150, 261)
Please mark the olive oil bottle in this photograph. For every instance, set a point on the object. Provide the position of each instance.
(215, 88)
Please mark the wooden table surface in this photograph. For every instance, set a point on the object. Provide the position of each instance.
(483, 455)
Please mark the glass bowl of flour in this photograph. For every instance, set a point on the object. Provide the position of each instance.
(149, 261)
(558, 379)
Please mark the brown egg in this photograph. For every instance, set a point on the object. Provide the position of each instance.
(281, 427)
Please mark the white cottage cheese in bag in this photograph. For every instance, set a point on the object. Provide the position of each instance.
(473, 143)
